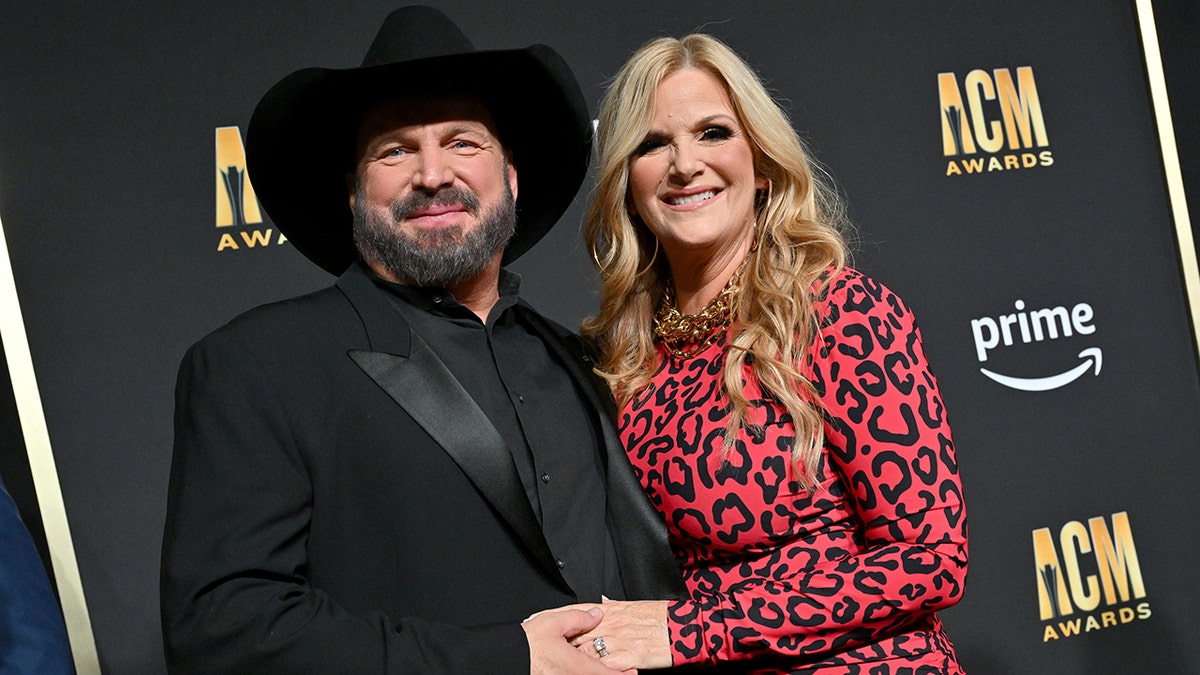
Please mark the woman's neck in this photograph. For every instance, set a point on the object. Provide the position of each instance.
(697, 280)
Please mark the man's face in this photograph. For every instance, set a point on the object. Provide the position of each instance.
(433, 195)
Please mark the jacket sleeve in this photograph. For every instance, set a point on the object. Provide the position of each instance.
(889, 446)
(33, 638)
(236, 597)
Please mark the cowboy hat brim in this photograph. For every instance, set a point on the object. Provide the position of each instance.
(301, 138)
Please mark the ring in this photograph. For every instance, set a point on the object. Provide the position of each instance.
(601, 648)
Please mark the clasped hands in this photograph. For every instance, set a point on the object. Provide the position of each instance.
(635, 637)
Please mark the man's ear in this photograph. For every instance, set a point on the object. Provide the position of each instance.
(512, 175)
(350, 185)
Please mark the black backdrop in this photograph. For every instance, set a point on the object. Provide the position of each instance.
(107, 173)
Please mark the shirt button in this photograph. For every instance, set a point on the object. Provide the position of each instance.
(520, 398)
(437, 299)
(560, 564)
(545, 478)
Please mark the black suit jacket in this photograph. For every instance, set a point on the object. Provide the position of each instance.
(338, 503)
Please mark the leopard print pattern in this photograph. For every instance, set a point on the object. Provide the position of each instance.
(845, 578)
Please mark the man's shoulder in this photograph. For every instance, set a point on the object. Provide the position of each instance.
(530, 313)
(299, 345)
(290, 321)
(552, 329)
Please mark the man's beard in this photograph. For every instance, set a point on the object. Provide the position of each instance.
(435, 257)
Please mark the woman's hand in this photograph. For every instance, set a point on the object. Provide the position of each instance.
(635, 635)
(550, 649)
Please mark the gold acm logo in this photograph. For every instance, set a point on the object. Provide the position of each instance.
(237, 205)
(1092, 580)
(992, 122)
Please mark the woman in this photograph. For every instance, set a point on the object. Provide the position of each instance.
(775, 404)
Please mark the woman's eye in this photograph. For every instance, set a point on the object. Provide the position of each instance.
(716, 133)
(649, 145)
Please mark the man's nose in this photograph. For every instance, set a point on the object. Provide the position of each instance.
(433, 171)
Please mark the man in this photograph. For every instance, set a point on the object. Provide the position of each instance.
(389, 475)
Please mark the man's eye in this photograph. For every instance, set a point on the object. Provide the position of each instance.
(395, 152)
(716, 133)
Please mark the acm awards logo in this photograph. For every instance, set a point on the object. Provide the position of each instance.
(1037, 325)
(993, 122)
(1091, 581)
(237, 205)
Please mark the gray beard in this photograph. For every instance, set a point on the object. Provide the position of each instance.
(432, 258)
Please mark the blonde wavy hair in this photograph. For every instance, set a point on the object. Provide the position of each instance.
(800, 246)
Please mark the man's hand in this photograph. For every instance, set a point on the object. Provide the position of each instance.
(550, 650)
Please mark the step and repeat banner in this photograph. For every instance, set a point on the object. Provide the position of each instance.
(1009, 168)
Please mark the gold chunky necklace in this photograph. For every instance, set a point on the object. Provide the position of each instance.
(676, 330)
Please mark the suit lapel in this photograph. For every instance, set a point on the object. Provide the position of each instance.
(405, 367)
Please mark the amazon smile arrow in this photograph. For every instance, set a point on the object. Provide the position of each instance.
(1054, 381)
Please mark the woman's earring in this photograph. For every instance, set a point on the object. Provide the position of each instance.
(764, 199)
(652, 259)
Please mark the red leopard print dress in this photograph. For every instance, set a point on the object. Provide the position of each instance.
(845, 579)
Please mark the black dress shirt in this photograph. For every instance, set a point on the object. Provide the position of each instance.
(534, 405)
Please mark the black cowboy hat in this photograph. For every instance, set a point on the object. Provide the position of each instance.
(300, 142)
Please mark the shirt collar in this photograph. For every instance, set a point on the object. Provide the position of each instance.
(439, 301)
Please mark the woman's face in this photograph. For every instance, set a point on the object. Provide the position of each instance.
(692, 179)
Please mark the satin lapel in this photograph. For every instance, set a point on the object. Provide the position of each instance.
(648, 569)
(416, 379)
(428, 392)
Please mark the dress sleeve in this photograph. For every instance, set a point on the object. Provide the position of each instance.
(889, 464)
